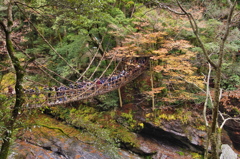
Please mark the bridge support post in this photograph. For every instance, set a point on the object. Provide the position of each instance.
(120, 97)
(152, 85)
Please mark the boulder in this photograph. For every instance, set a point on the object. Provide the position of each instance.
(227, 152)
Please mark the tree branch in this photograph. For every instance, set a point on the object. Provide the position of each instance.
(168, 8)
(221, 51)
(225, 120)
(207, 96)
(3, 26)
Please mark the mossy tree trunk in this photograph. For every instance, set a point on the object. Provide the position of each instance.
(214, 133)
(19, 72)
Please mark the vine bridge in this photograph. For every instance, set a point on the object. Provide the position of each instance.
(51, 96)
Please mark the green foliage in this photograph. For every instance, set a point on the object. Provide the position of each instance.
(201, 99)
(231, 83)
(212, 48)
(144, 86)
(210, 33)
(71, 27)
(206, 35)
(215, 11)
(179, 114)
(180, 153)
(109, 101)
(232, 45)
(202, 127)
(73, 49)
(128, 118)
(232, 76)
(196, 156)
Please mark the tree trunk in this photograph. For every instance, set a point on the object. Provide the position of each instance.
(215, 147)
(19, 100)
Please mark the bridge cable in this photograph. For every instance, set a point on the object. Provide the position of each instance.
(99, 77)
(91, 62)
(98, 64)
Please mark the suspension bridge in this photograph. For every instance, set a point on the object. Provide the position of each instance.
(85, 89)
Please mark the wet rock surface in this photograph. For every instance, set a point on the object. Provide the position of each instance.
(171, 140)
(160, 149)
(187, 138)
(49, 146)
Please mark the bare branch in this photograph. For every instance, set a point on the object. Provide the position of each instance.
(207, 96)
(225, 120)
(168, 8)
(34, 82)
(230, 3)
(221, 51)
(33, 8)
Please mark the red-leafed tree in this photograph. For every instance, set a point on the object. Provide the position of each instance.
(169, 57)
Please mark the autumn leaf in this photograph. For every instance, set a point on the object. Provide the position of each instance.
(155, 90)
